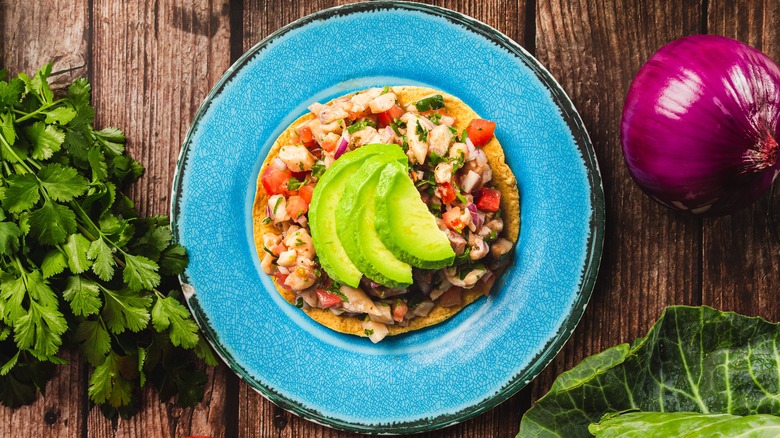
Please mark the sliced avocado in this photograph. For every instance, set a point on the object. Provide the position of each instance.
(322, 212)
(355, 217)
(405, 225)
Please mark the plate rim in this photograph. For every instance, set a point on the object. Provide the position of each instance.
(594, 245)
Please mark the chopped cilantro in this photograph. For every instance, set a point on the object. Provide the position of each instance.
(435, 118)
(317, 170)
(299, 302)
(385, 90)
(294, 184)
(464, 136)
(394, 126)
(368, 332)
(492, 237)
(298, 242)
(430, 103)
(404, 143)
(422, 134)
(434, 159)
(463, 258)
(278, 201)
(355, 127)
(268, 251)
(266, 221)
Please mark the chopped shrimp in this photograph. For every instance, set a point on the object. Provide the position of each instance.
(383, 102)
(457, 241)
(365, 136)
(468, 281)
(268, 264)
(302, 275)
(332, 128)
(500, 247)
(447, 120)
(459, 149)
(479, 248)
(496, 224)
(297, 158)
(270, 240)
(360, 102)
(337, 110)
(287, 258)
(388, 136)
(300, 241)
(443, 172)
(439, 140)
(315, 108)
(418, 149)
(278, 207)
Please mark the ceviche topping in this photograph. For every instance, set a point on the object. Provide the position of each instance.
(383, 210)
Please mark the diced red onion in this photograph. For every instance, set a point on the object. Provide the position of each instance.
(475, 218)
(268, 211)
(342, 146)
(470, 181)
(471, 148)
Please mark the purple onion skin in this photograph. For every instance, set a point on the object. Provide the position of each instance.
(699, 125)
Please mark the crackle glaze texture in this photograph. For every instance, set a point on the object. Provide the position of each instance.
(429, 378)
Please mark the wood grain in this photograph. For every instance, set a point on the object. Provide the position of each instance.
(59, 412)
(40, 31)
(153, 64)
(742, 251)
(257, 416)
(651, 255)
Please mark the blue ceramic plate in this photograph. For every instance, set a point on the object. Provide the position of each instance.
(429, 378)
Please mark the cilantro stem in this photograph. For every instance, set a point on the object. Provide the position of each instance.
(42, 108)
(13, 154)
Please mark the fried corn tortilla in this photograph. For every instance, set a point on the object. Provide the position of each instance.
(503, 179)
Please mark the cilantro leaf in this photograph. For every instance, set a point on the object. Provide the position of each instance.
(76, 249)
(62, 183)
(60, 115)
(52, 223)
(125, 309)
(430, 103)
(13, 292)
(22, 193)
(38, 84)
(108, 382)
(169, 313)
(40, 330)
(10, 364)
(9, 237)
(173, 260)
(54, 262)
(204, 352)
(83, 295)
(39, 290)
(11, 92)
(7, 127)
(140, 272)
(103, 257)
(94, 341)
(46, 139)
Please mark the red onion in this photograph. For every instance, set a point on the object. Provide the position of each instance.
(342, 146)
(700, 125)
(475, 219)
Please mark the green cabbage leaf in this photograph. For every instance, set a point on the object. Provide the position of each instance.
(693, 360)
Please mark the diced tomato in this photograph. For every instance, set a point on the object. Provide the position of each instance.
(387, 117)
(328, 146)
(446, 192)
(452, 297)
(480, 131)
(399, 310)
(489, 199)
(328, 299)
(452, 219)
(280, 278)
(305, 136)
(296, 206)
(305, 192)
(275, 181)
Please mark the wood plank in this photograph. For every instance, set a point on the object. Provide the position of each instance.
(32, 34)
(40, 31)
(651, 254)
(740, 259)
(153, 64)
(257, 416)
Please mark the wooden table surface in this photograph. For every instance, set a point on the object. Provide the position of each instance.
(151, 63)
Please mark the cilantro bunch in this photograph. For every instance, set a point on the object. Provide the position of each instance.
(78, 266)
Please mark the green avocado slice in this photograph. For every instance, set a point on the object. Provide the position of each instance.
(322, 212)
(405, 225)
(355, 216)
